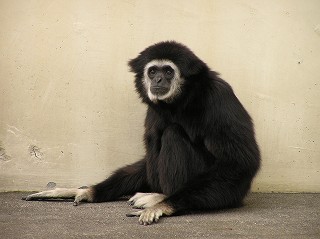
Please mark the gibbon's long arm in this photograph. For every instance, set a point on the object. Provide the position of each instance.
(124, 181)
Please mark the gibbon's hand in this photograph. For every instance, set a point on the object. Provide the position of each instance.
(146, 200)
(79, 195)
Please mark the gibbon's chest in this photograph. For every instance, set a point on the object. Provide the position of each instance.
(191, 121)
(194, 128)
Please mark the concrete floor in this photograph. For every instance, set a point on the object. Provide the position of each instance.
(263, 216)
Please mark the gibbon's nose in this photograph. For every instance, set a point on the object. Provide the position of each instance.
(158, 79)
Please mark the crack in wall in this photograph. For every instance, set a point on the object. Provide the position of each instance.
(35, 151)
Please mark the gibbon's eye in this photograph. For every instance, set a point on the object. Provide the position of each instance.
(168, 70)
(152, 71)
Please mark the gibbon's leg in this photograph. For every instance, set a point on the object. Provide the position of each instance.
(124, 181)
(217, 188)
(189, 184)
(206, 191)
(179, 162)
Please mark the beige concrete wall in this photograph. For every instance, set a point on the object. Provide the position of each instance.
(69, 113)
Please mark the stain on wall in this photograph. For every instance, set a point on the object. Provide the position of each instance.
(3, 156)
(35, 151)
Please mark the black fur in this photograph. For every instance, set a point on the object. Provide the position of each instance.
(200, 149)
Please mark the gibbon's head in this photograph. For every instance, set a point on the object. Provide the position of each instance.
(163, 69)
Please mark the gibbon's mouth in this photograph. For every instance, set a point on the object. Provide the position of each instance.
(158, 90)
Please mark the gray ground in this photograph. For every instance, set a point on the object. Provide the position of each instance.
(263, 216)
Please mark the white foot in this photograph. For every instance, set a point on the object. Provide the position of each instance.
(152, 214)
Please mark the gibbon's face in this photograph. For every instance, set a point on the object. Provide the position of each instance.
(162, 80)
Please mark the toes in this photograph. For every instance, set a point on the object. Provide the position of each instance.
(148, 216)
(135, 197)
(145, 200)
(140, 203)
(82, 195)
(27, 198)
(136, 207)
(35, 196)
(77, 200)
(157, 216)
(134, 214)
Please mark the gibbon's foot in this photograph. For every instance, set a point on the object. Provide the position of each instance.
(79, 195)
(146, 200)
(152, 214)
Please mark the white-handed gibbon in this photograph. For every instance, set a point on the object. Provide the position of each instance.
(201, 152)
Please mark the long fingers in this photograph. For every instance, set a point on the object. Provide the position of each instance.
(146, 200)
(58, 193)
(83, 195)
